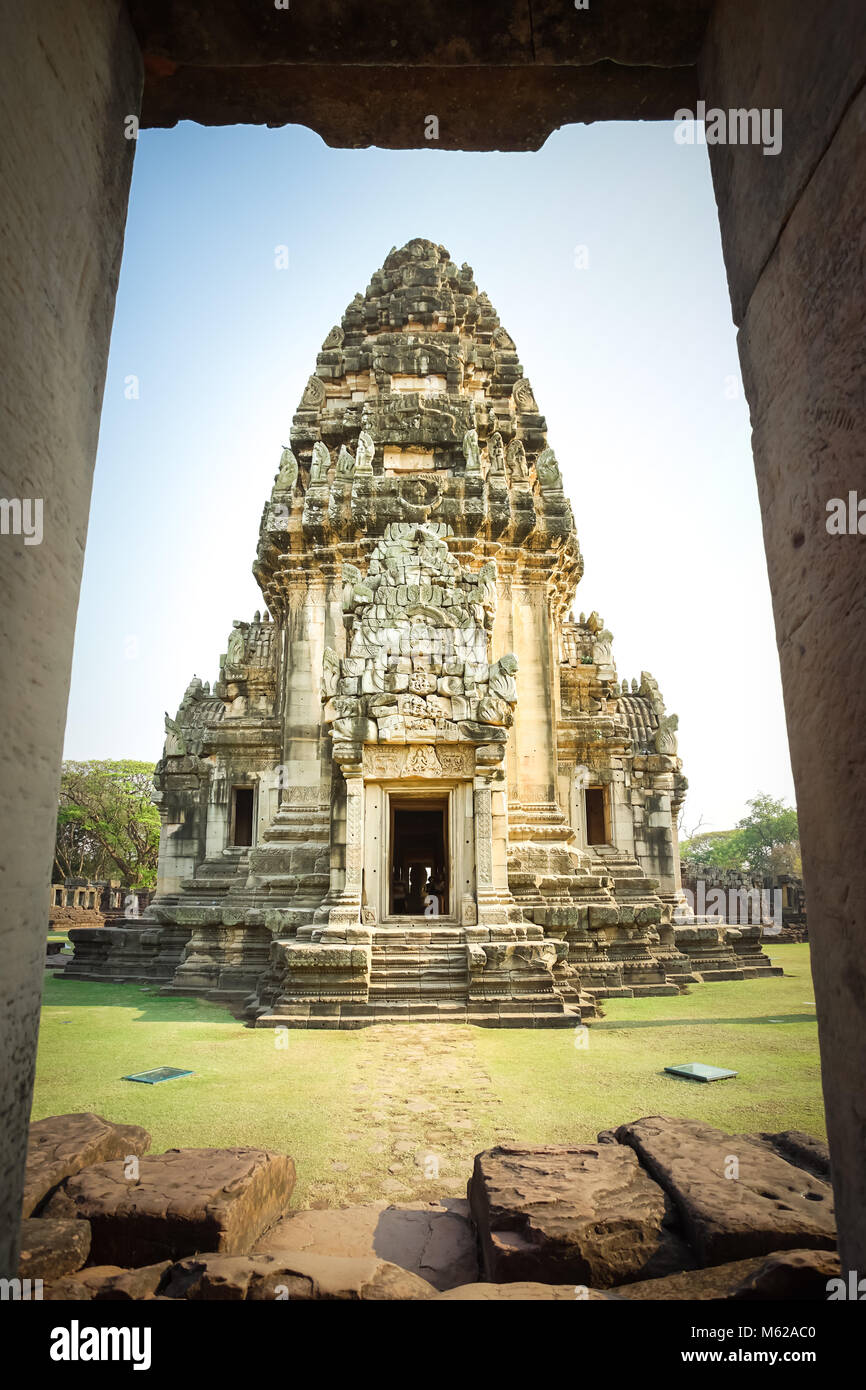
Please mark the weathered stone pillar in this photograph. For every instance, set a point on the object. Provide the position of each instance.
(483, 836)
(344, 905)
(792, 234)
(495, 903)
(72, 75)
(533, 725)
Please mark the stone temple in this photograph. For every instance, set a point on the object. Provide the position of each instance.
(418, 789)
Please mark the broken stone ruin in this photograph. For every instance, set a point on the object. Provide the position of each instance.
(644, 1213)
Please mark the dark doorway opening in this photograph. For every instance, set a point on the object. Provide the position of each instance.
(242, 816)
(596, 816)
(419, 858)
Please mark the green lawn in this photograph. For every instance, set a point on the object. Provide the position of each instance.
(763, 1029)
(354, 1108)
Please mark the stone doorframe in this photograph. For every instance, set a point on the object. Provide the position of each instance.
(460, 848)
(79, 67)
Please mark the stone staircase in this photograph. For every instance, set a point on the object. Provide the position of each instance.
(418, 967)
(629, 879)
(420, 974)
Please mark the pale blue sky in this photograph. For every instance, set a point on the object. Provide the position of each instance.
(633, 361)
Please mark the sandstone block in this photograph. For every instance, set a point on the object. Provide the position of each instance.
(803, 1150)
(603, 916)
(481, 733)
(185, 1200)
(770, 1205)
(52, 1248)
(102, 1283)
(571, 1214)
(392, 729)
(62, 1145)
(296, 1277)
(794, 1275)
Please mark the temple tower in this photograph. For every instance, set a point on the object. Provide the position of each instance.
(418, 789)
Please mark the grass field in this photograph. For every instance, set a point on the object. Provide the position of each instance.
(399, 1112)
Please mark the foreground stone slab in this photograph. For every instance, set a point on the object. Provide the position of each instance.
(102, 1283)
(434, 1240)
(803, 1150)
(586, 1215)
(770, 1205)
(793, 1275)
(293, 1276)
(184, 1201)
(524, 1292)
(50, 1249)
(62, 1145)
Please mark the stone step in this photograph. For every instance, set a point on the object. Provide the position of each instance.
(390, 994)
(419, 948)
(442, 980)
(438, 937)
(413, 957)
(649, 991)
(411, 969)
(482, 1015)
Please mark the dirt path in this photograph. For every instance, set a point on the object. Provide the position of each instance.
(422, 1107)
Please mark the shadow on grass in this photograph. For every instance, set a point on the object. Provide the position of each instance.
(149, 1007)
(703, 1022)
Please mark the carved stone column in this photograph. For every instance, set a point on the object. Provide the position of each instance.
(345, 908)
(483, 837)
(497, 909)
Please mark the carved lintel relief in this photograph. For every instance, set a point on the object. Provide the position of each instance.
(418, 760)
(417, 668)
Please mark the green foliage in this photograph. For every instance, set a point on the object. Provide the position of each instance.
(107, 824)
(712, 849)
(770, 827)
(763, 842)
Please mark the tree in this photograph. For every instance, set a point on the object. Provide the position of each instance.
(769, 835)
(712, 849)
(107, 824)
(763, 842)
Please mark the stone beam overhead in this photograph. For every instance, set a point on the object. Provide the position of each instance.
(318, 65)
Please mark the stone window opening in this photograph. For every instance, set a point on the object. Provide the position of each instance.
(597, 816)
(242, 816)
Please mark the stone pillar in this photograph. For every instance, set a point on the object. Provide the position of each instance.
(307, 633)
(533, 722)
(344, 906)
(72, 75)
(496, 907)
(483, 835)
(792, 235)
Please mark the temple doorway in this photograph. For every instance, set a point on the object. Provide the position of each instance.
(419, 868)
